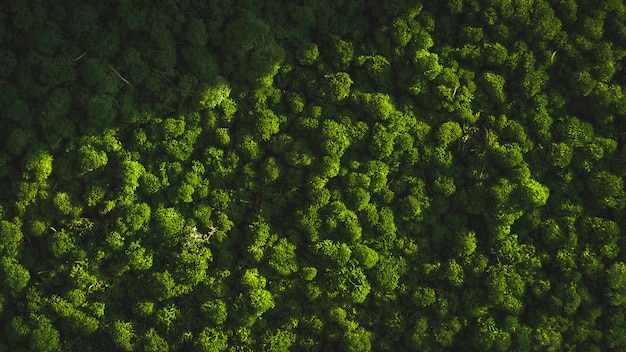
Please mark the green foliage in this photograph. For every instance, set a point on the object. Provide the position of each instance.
(101, 109)
(449, 132)
(44, 337)
(508, 155)
(616, 277)
(607, 190)
(354, 176)
(15, 276)
(38, 166)
(91, 159)
(124, 335)
(216, 311)
(335, 87)
(283, 259)
(215, 94)
(494, 86)
(153, 342)
(169, 223)
(10, 237)
(211, 340)
(307, 54)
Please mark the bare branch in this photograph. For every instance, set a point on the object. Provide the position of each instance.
(119, 75)
(80, 56)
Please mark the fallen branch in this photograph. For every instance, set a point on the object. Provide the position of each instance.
(119, 75)
(80, 56)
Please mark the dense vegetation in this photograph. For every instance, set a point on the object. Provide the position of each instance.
(312, 175)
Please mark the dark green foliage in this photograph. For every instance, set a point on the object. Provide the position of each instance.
(607, 190)
(348, 175)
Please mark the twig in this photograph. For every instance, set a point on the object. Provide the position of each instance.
(454, 93)
(80, 56)
(119, 75)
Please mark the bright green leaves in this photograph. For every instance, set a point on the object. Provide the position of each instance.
(14, 275)
(453, 272)
(173, 128)
(216, 94)
(356, 340)
(574, 132)
(216, 310)
(388, 272)
(507, 155)
(260, 301)
(139, 258)
(582, 83)
(168, 223)
(466, 243)
(449, 132)
(534, 193)
(260, 238)
(335, 138)
(365, 255)
(427, 64)
(307, 54)
(378, 105)
(506, 287)
(561, 154)
(342, 53)
(496, 54)
(336, 254)
(494, 86)
(423, 296)
(299, 154)
(342, 222)
(211, 340)
(37, 166)
(378, 68)
(381, 145)
(123, 334)
(283, 258)
(335, 87)
(533, 82)
(192, 265)
(10, 237)
(91, 159)
(270, 170)
(267, 124)
(64, 204)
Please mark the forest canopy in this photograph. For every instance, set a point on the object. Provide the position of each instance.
(333, 176)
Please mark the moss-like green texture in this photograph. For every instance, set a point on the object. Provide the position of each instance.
(312, 175)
